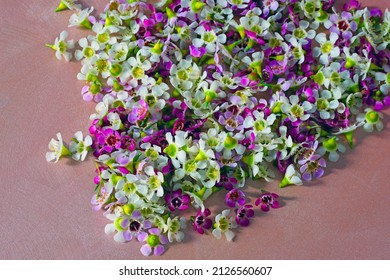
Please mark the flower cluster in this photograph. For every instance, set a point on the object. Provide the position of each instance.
(195, 96)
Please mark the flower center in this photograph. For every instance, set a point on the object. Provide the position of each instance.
(176, 202)
(232, 123)
(327, 47)
(111, 140)
(135, 226)
(153, 240)
(343, 25)
(199, 220)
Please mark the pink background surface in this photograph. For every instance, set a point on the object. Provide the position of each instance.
(45, 210)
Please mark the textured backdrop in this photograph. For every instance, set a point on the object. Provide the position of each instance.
(45, 210)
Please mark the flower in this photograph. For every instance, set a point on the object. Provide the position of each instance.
(327, 48)
(57, 149)
(267, 200)
(313, 167)
(291, 177)
(201, 222)
(79, 147)
(223, 225)
(177, 200)
(81, 18)
(373, 119)
(67, 5)
(243, 214)
(62, 47)
(154, 242)
(235, 197)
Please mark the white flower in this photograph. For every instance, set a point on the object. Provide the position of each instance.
(331, 147)
(88, 51)
(79, 146)
(372, 119)
(115, 121)
(291, 177)
(223, 225)
(208, 38)
(68, 5)
(61, 46)
(174, 227)
(327, 48)
(80, 18)
(57, 149)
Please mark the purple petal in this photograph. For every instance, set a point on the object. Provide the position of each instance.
(243, 222)
(127, 235)
(306, 176)
(159, 250)
(142, 236)
(318, 173)
(207, 224)
(155, 231)
(241, 201)
(186, 199)
(275, 204)
(163, 239)
(146, 250)
(265, 207)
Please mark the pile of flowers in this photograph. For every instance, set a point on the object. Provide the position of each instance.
(196, 96)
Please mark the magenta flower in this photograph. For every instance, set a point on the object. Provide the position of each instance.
(176, 200)
(139, 112)
(108, 140)
(235, 197)
(243, 214)
(227, 182)
(201, 222)
(154, 242)
(313, 167)
(266, 200)
(135, 226)
(197, 52)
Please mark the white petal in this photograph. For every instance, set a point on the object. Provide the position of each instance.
(217, 233)
(109, 229)
(229, 235)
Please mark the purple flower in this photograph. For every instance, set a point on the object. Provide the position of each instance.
(266, 200)
(201, 222)
(352, 5)
(235, 197)
(99, 200)
(231, 122)
(227, 182)
(154, 242)
(135, 226)
(138, 112)
(108, 140)
(197, 52)
(313, 167)
(343, 25)
(176, 200)
(243, 214)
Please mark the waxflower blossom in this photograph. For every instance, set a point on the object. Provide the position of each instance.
(267, 200)
(154, 242)
(57, 149)
(195, 97)
(62, 47)
(243, 214)
(223, 225)
(201, 222)
(79, 147)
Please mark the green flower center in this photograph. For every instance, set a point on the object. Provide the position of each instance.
(138, 72)
(209, 37)
(322, 104)
(154, 182)
(260, 125)
(89, 52)
(297, 110)
(128, 209)
(230, 142)
(153, 240)
(129, 188)
(182, 75)
(372, 117)
(213, 174)
(117, 224)
(62, 46)
(190, 166)
(174, 227)
(103, 38)
(300, 33)
(116, 70)
(310, 8)
(102, 65)
(223, 224)
(327, 47)
(152, 154)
